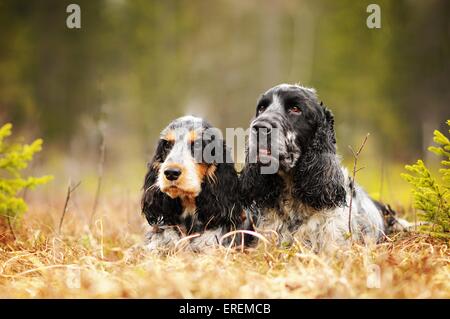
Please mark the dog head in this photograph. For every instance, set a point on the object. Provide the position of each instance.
(294, 130)
(181, 171)
(191, 176)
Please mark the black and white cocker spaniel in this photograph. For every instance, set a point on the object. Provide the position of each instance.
(306, 197)
(191, 189)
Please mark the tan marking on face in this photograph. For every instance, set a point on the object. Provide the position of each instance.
(202, 171)
(175, 192)
(192, 136)
(177, 188)
(205, 170)
(168, 187)
(208, 171)
(170, 136)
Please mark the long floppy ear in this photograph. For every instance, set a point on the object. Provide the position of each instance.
(218, 203)
(318, 178)
(156, 206)
(257, 189)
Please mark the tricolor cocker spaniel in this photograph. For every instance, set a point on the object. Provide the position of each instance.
(306, 198)
(191, 188)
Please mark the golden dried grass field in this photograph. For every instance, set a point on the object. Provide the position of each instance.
(108, 260)
(99, 97)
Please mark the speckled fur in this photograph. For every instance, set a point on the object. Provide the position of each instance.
(326, 229)
(308, 201)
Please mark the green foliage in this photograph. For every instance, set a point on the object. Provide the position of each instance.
(432, 196)
(14, 158)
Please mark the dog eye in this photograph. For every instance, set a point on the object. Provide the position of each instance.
(167, 145)
(295, 109)
(261, 109)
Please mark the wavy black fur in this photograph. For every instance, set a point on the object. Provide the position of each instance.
(317, 176)
(218, 204)
(260, 190)
(157, 207)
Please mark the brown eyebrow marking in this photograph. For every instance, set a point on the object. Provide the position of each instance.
(170, 136)
(192, 136)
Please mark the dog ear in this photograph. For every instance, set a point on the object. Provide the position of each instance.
(318, 178)
(157, 206)
(218, 203)
(259, 190)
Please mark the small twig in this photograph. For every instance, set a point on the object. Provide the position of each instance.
(359, 169)
(100, 175)
(70, 190)
(352, 185)
(66, 203)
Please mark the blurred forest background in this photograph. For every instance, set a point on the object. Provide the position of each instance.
(135, 65)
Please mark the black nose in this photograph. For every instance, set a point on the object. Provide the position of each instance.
(172, 174)
(261, 129)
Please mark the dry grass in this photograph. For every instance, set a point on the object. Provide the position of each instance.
(109, 261)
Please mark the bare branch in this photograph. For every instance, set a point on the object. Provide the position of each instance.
(352, 184)
(70, 190)
(359, 169)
